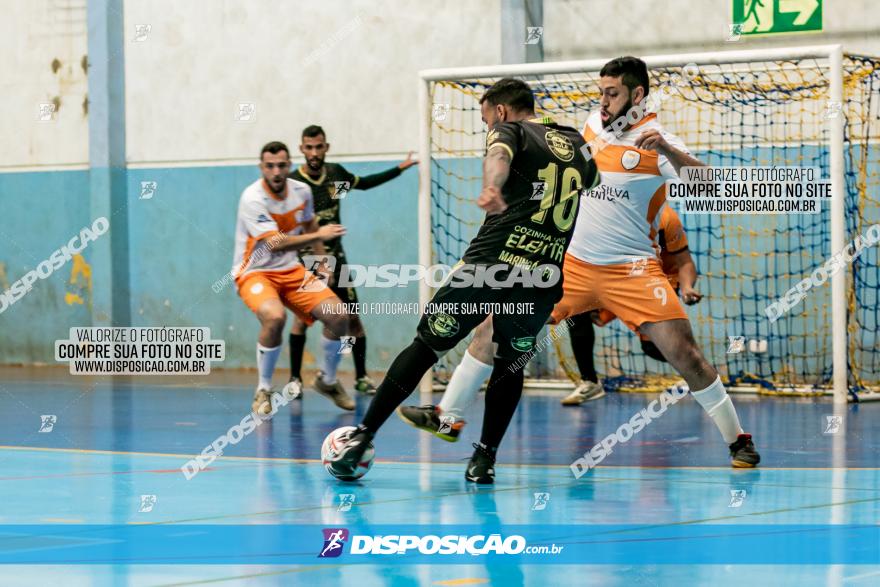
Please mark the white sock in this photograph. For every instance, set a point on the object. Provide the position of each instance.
(266, 359)
(717, 404)
(466, 381)
(331, 358)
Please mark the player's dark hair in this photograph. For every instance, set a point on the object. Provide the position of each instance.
(274, 147)
(632, 69)
(510, 92)
(312, 131)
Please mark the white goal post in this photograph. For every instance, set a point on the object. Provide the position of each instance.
(832, 54)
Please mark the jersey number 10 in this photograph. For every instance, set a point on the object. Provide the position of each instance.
(564, 207)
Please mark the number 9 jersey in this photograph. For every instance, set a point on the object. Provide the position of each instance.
(548, 172)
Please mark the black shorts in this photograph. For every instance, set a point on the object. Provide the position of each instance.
(347, 295)
(454, 311)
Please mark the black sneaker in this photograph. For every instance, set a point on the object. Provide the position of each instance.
(365, 385)
(351, 453)
(743, 453)
(428, 418)
(481, 468)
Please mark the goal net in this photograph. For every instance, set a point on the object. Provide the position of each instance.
(753, 108)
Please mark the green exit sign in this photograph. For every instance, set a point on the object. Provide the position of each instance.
(767, 17)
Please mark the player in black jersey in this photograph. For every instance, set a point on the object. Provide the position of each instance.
(533, 172)
(330, 183)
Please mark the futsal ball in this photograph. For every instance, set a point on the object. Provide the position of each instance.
(330, 452)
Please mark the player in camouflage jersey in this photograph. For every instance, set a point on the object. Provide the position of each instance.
(533, 172)
(330, 183)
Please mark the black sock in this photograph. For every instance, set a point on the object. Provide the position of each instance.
(583, 339)
(402, 378)
(359, 353)
(297, 344)
(502, 396)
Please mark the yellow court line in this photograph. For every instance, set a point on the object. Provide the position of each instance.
(385, 462)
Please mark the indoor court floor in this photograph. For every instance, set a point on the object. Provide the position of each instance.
(101, 499)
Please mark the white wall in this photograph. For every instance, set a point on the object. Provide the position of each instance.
(33, 34)
(583, 29)
(347, 65)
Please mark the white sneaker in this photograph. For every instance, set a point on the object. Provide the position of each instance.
(293, 390)
(262, 404)
(584, 392)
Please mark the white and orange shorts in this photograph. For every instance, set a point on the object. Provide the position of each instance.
(287, 287)
(634, 293)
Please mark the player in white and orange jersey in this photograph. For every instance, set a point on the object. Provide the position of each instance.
(612, 261)
(681, 271)
(275, 218)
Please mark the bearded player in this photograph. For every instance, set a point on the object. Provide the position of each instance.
(519, 232)
(612, 262)
(275, 219)
(330, 183)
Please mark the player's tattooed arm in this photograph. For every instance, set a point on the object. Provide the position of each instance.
(496, 169)
(687, 278)
(654, 140)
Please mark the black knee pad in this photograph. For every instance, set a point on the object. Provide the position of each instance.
(650, 349)
(581, 326)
